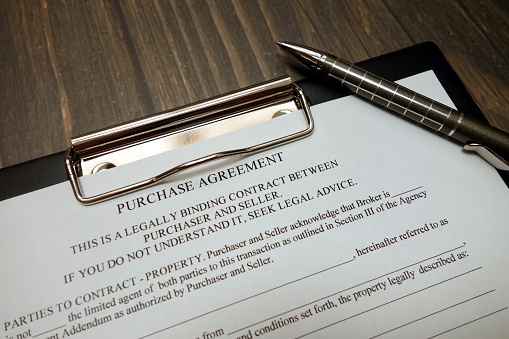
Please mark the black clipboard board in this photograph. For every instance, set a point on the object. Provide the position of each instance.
(50, 170)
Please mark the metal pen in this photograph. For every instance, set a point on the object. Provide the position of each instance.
(489, 142)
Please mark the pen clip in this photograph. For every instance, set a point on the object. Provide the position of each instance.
(489, 155)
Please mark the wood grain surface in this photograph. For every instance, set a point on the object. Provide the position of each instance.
(69, 67)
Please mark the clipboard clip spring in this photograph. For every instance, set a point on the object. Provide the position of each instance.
(172, 129)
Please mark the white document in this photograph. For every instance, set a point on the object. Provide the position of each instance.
(370, 227)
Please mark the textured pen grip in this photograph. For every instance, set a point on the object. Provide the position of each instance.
(395, 97)
(415, 106)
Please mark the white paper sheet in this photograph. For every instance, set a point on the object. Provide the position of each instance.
(372, 226)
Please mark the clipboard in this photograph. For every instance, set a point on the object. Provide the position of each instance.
(116, 145)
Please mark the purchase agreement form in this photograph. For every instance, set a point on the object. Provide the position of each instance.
(370, 227)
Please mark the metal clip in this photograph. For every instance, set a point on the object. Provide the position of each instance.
(168, 130)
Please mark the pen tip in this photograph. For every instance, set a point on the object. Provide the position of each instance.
(282, 44)
(305, 55)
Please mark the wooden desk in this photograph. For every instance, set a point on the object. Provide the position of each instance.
(71, 67)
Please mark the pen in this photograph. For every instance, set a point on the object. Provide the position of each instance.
(489, 142)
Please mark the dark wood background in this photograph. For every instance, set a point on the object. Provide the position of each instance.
(71, 67)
